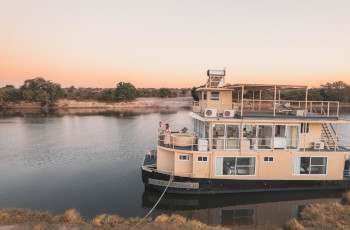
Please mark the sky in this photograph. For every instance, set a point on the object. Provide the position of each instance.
(160, 43)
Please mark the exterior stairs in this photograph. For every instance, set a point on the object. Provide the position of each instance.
(328, 136)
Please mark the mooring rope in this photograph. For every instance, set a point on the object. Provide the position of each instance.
(149, 213)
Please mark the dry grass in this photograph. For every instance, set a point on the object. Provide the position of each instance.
(293, 225)
(72, 216)
(345, 199)
(326, 216)
(40, 221)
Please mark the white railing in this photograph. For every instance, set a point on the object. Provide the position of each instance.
(324, 108)
(191, 142)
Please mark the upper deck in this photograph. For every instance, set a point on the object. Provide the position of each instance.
(259, 101)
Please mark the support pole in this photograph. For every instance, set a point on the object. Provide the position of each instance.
(279, 95)
(307, 89)
(260, 101)
(274, 103)
(253, 99)
(242, 101)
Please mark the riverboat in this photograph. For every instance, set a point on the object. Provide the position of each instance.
(247, 138)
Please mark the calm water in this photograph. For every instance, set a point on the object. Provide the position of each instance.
(58, 161)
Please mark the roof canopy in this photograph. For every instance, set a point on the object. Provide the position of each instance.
(263, 86)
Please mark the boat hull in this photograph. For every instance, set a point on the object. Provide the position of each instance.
(186, 185)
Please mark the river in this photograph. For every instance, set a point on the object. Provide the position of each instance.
(90, 161)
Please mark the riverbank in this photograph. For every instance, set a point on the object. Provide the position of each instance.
(149, 102)
(335, 215)
(23, 219)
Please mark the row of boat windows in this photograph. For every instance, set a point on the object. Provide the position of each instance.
(255, 136)
(245, 166)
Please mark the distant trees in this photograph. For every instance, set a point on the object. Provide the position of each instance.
(125, 92)
(338, 91)
(40, 90)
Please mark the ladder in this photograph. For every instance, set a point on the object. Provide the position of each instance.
(328, 136)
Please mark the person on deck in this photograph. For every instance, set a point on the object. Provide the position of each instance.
(167, 136)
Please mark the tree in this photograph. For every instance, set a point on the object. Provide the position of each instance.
(106, 95)
(195, 94)
(40, 90)
(164, 92)
(338, 91)
(125, 92)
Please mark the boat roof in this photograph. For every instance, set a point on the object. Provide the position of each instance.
(264, 86)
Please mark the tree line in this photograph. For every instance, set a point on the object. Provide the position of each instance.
(336, 91)
(47, 92)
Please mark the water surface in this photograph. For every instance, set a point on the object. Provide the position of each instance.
(91, 162)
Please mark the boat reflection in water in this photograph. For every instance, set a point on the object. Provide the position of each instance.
(252, 210)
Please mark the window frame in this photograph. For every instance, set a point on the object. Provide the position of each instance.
(307, 130)
(268, 159)
(255, 168)
(202, 161)
(310, 165)
(187, 156)
(215, 98)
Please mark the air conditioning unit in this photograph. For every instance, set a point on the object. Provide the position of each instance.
(229, 113)
(210, 113)
(319, 145)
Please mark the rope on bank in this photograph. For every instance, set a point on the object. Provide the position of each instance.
(149, 213)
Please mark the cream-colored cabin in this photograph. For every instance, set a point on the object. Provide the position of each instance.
(257, 138)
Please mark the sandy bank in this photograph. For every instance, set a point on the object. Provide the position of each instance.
(151, 102)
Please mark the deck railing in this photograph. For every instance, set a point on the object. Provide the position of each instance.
(191, 142)
(322, 108)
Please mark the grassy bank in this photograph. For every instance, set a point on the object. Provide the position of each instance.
(319, 216)
(324, 216)
(22, 219)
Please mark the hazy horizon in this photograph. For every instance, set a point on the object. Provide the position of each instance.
(154, 44)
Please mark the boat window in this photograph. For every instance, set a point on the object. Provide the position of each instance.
(215, 96)
(218, 136)
(310, 165)
(265, 136)
(226, 136)
(232, 136)
(268, 159)
(184, 157)
(249, 137)
(202, 159)
(292, 137)
(305, 128)
(204, 95)
(234, 166)
(280, 141)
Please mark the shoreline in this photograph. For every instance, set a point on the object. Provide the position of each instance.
(150, 102)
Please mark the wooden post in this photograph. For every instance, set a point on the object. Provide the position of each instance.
(273, 136)
(241, 141)
(338, 109)
(274, 103)
(260, 101)
(304, 136)
(253, 99)
(242, 101)
(279, 95)
(307, 89)
(328, 110)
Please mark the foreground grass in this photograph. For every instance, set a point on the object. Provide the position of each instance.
(27, 219)
(324, 216)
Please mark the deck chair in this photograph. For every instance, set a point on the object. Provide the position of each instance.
(286, 109)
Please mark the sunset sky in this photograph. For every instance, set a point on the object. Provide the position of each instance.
(163, 43)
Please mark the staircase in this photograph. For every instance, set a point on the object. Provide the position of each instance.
(328, 136)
